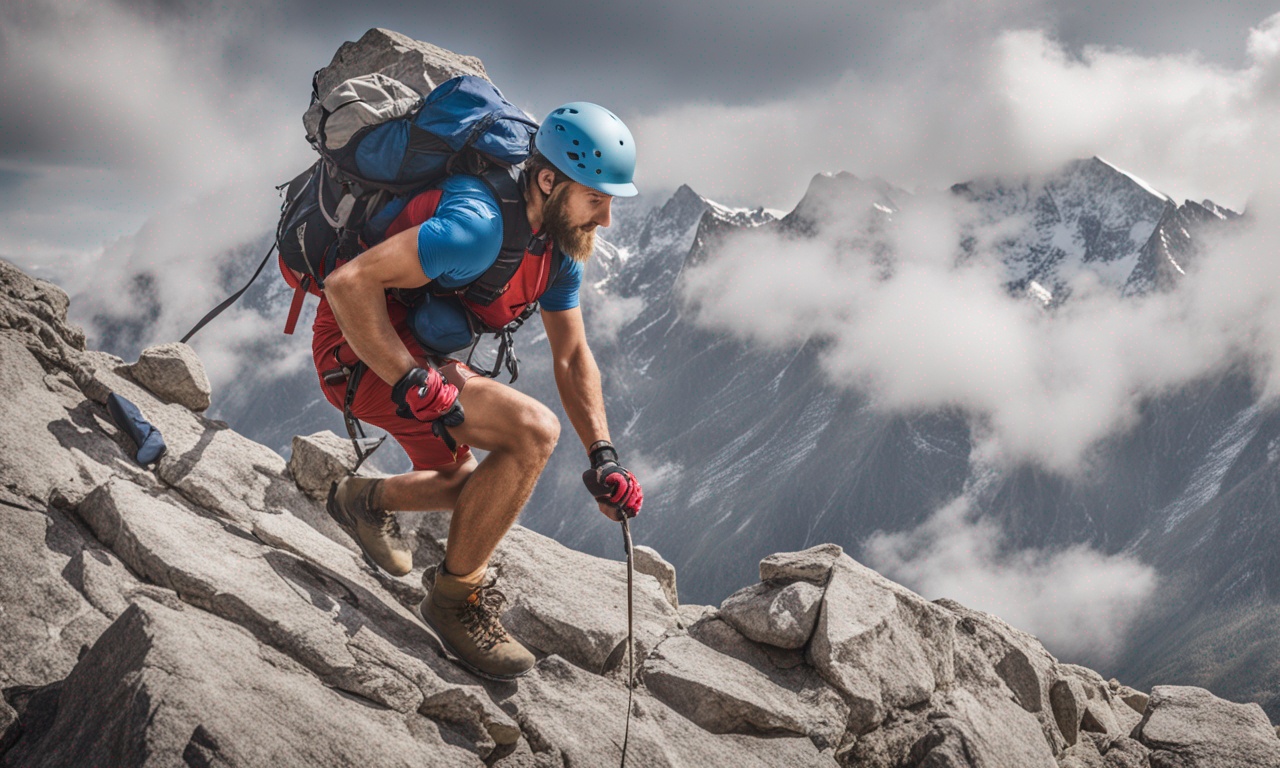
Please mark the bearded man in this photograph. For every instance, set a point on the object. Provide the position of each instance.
(436, 407)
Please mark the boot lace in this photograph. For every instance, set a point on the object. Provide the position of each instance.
(479, 616)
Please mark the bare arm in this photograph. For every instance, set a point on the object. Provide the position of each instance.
(577, 376)
(356, 293)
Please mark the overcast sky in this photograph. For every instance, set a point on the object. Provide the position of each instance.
(118, 108)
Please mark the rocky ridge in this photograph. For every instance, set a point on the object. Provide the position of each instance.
(206, 611)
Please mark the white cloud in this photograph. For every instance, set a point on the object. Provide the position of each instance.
(146, 147)
(934, 333)
(1077, 601)
(989, 101)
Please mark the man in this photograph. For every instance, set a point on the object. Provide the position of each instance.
(584, 157)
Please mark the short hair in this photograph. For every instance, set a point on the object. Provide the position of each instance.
(536, 163)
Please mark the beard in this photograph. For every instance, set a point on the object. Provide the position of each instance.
(576, 242)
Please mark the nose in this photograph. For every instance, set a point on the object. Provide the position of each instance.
(604, 213)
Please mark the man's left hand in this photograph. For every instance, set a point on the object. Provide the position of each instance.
(614, 487)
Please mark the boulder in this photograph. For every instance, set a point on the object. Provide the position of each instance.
(1137, 700)
(1068, 702)
(812, 565)
(1125, 752)
(571, 717)
(692, 614)
(1189, 726)
(1083, 754)
(990, 653)
(573, 605)
(779, 615)
(648, 561)
(962, 728)
(1019, 660)
(33, 313)
(174, 372)
(181, 687)
(419, 65)
(859, 609)
(319, 460)
(727, 695)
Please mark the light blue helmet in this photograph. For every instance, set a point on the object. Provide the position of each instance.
(591, 146)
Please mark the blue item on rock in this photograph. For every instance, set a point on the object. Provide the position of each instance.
(146, 437)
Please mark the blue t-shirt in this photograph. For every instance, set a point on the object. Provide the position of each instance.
(462, 240)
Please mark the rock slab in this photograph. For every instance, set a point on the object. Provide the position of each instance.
(1186, 726)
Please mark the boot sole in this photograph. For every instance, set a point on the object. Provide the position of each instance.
(457, 657)
(348, 526)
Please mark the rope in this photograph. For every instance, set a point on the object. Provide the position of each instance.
(631, 665)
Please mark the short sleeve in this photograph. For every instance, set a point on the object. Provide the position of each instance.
(562, 290)
(462, 239)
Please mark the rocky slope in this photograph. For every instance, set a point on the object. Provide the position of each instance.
(205, 612)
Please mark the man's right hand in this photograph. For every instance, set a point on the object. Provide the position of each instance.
(423, 394)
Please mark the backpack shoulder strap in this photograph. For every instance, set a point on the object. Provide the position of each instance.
(517, 237)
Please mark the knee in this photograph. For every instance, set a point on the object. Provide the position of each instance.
(539, 431)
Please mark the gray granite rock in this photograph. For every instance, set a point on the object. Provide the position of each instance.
(1125, 752)
(727, 695)
(44, 619)
(419, 65)
(858, 609)
(570, 718)
(692, 614)
(1068, 702)
(174, 372)
(1137, 700)
(575, 606)
(780, 615)
(1187, 726)
(319, 460)
(648, 561)
(150, 692)
(812, 565)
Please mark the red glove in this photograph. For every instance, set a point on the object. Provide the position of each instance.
(610, 483)
(423, 394)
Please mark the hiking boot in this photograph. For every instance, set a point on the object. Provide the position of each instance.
(466, 619)
(353, 504)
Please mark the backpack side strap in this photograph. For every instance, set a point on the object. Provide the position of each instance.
(517, 237)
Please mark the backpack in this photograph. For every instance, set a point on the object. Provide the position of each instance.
(379, 144)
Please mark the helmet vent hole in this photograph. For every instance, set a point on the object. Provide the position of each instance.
(598, 171)
(573, 111)
(597, 153)
(620, 142)
(561, 128)
(580, 165)
(573, 156)
(575, 142)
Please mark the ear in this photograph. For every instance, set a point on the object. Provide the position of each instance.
(546, 180)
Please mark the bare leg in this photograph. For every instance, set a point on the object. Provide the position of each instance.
(426, 490)
(520, 434)
(486, 498)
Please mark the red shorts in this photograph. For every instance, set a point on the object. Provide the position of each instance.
(373, 405)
